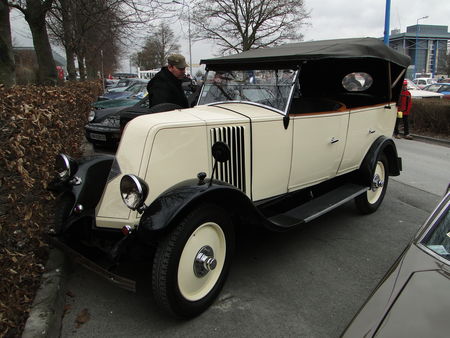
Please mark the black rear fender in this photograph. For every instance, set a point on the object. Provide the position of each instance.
(381, 145)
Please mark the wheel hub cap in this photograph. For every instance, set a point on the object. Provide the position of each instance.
(204, 261)
(377, 182)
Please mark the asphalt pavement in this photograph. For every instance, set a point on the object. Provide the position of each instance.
(307, 282)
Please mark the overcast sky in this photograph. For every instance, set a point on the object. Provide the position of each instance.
(330, 19)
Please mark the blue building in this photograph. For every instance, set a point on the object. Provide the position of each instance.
(427, 45)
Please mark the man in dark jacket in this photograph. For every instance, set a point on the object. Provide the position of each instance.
(165, 87)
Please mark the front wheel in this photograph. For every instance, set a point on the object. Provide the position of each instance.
(191, 263)
(369, 202)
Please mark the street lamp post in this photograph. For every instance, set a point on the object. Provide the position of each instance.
(417, 45)
(186, 4)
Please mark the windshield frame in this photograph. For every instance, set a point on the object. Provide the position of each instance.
(281, 111)
(435, 221)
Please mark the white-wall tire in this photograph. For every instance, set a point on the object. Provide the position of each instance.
(370, 201)
(192, 261)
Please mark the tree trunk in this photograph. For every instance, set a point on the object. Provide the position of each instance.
(67, 22)
(35, 16)
(7, 68)
(81, 68)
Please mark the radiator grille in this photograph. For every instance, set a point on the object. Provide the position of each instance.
(233, 171)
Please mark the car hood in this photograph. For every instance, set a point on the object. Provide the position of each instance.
(411, 301)
(115, 103)
(121, 95)
(422, 305)
(101, 114)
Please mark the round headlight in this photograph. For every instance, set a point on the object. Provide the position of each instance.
(134, 191)
(91, 116)
(65, 167)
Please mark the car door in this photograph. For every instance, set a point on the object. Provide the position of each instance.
(318, 145)
(366, 124)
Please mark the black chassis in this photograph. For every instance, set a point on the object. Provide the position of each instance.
(175, 202)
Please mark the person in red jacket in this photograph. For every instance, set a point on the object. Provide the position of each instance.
(404, 106)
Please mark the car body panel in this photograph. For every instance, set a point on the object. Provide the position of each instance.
(324, 156)
(365, 126)
(423, 305)
(156, 137)
(413, 298)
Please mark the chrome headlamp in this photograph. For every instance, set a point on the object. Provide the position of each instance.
(134, 191)
(65, 167)
(91, 116)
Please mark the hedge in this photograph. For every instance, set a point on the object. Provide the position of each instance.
(36, 124)
(431, 116)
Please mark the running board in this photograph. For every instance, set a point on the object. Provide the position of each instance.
(318, 206)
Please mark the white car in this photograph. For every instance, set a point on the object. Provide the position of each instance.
(268, 143)
(422, 82)
(417, 93)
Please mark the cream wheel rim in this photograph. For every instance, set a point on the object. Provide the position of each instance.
(201, 261)
(374, 193)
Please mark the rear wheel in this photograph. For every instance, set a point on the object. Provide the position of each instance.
(369, 202)
(192, 262)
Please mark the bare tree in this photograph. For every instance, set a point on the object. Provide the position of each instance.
(87, 27)
(239, 25)
(35, 12)
(7, 69)
(158, 46)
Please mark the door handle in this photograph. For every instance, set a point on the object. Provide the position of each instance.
(371, 131)
(334, 140)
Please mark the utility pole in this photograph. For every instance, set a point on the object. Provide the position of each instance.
(387, 18)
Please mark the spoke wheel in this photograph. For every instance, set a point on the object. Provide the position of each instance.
(370, 201)
(191, 263)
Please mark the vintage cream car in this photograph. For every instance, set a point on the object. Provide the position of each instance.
(279, 136)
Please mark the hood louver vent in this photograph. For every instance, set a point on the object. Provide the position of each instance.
(233, 171)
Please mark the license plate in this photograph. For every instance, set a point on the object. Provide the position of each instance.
(99, 137)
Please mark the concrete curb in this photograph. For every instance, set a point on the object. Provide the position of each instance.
(48, 305)
(431, 139)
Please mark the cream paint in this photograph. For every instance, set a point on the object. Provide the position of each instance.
(176, 146)
(314, 157)
(359, 138)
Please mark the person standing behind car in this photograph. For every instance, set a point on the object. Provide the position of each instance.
(404, 108)
(165, 86)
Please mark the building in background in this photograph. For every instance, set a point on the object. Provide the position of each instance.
(27, 68)
(427, 45)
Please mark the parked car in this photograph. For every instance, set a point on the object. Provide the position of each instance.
(137, 88)
(417, 93)
(441, 88)
(116, 103)
(412, 299)
(422, 82)
(110, 83)
(103, 129)
(183, 181)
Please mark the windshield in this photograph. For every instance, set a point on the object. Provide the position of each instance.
(438, 239)
(137, 87)
(266, 87)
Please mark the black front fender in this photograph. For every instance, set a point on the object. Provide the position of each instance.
(180, 199)
(89, 183)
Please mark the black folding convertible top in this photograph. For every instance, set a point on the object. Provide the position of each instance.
(355, 48)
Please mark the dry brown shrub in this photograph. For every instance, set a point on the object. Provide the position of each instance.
(36, 124)
(431, 116)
